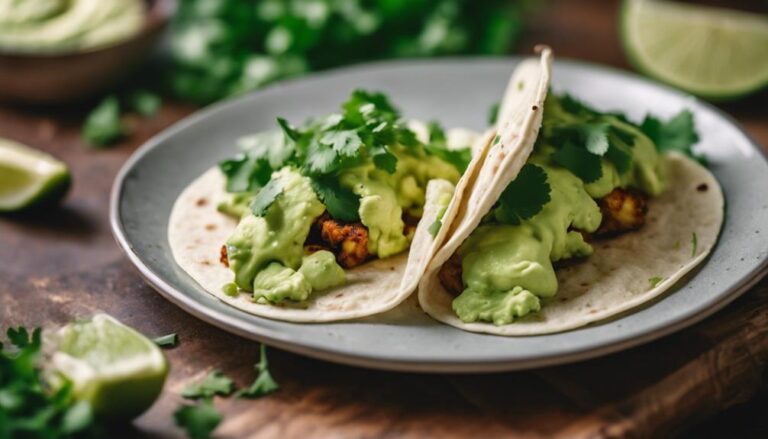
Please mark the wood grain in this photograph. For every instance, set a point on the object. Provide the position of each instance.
(62, 263)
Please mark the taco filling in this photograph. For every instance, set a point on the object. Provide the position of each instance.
(332, 194)
(588, 178)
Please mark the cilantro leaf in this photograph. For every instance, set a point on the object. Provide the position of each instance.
(676, 134)
(345, 143)
(436, 133)
(28, 407)
(525, 196)
(321, 159)
(288, 129)
(438, 146)
(166, 341)
(593, 136)
(385, 160)
(144, 102)
(266, 196)
(579, 161)
(655, 280)
(493, 113)
(215, 383)
(198, 420)
(103, 126)
(342, 203)
(264, 384)
(620, 158)
(245, 173)
(576, 107)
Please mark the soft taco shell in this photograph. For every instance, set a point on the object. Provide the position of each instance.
(681, 229)
(196, 232)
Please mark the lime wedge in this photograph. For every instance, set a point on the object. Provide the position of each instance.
(29, 177)
(711, 52)
(111, 366)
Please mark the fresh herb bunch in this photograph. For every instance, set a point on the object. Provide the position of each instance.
(366, 130)
(28, 408)
(582, 137)
(225, 47)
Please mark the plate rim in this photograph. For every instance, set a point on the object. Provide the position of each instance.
(270, 337)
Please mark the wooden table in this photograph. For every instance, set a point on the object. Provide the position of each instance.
(63, 263)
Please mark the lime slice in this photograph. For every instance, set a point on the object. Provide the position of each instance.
(111, 366)
(29, 177)
(711, 52)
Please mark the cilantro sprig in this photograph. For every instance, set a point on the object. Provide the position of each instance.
(524, 197)
(28, 408)
(365, 131)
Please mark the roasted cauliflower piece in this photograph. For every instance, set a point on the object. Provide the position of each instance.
(623, 210)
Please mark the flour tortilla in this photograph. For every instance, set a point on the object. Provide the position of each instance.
(681, 229)
(196, 232)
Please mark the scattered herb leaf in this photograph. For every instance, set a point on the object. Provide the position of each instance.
(144, 102)
(655, 281)
(166, 341)
(198, 420)
(264, 384)
(676, 134)
(581, 162)
(103, 126)
(215, 383)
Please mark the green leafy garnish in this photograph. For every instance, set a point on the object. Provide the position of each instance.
(493, 113)
(266, 196)
(198, 420)
(525, 196)
(369, 130)
(264, 384)
(655, 281)
(580, 161)
(236, 46)
(28, 407)
(676, 134)
(215, 383)
(103, 125)
(144, 102)
(166, 341)
(341, 202)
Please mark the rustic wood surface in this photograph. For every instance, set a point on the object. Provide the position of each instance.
(63, 262)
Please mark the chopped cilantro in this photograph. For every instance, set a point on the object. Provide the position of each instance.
(103, 125)
(341, 202)
(28, 407)
(676, 134)
(166, 341)
(144, 102)
(368, 130)
(694, 244)
(581, 162)
(655, 281)
(198, 420)
(245, 173)
(215, 383)
(264, 384)
(525, 196)
(266, 196)
(493, 113)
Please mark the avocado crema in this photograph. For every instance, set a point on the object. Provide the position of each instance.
(329, 195)
(589, 159)
(66, 25)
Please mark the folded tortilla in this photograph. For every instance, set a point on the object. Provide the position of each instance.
(197, 230)
(624, 272)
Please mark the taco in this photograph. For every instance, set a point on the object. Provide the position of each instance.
(576, 215)
(334, 219)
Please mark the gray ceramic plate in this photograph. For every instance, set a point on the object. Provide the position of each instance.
(457, 92)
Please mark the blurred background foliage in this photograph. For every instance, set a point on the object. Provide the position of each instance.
(220, 48)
